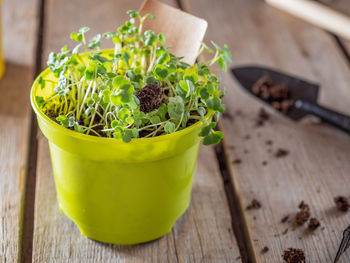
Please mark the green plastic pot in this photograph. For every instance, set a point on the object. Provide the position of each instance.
(116, 192)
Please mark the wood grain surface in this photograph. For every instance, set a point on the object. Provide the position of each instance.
(203, 234)
(19, 30)
(19, 23)
(317, 168)
(14, 117)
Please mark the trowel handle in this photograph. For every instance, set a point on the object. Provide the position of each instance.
(332, 117)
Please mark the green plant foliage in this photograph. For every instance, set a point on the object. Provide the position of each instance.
(96, 93)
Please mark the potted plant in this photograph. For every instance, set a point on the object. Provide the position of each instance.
(124, 128)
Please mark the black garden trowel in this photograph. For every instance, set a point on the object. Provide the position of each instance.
(302, 94)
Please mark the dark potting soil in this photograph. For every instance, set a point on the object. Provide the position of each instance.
(304, 214)
(263, 116)
(342, 203)
(254, 204)
(276, 94)
(294, 255)
(237, 161)
(285, 219)
(313, 224)
(265, 250)
(281, 153)
(151, 97)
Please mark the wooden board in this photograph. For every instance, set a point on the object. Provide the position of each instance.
(19, 30)
(18, 38)
(14, 116)
(203, 234)
(317, 168)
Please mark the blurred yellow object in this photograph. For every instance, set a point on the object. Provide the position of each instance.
(2, 64)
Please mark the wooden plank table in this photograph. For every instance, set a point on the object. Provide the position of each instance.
(217, 227)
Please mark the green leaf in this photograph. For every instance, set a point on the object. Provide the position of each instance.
(203, 92)
(40, 101)
(115, 123)
(135, 133)
(116, 100)
(208, 49)
(41, 81)
(71, 121)
(207, 129)
(63, 120)
(133, 13)
(149, 16)
(127, 136)
(161, 38)
(175, 107)
(118, 134)
(76, 36)
(169, 127)
(126, 57)
(201, 111)
(161, 72)
(78, 128)
(119, 82)
(130, 120)
(106, 95)
(155, 119)
(222, 64)
(213, 138)
(164, 58)
(151, 79)
(84, 29)
(123, 114)
(95, 41)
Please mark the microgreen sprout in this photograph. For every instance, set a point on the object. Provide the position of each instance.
(137, 90)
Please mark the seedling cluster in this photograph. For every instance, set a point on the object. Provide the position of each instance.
(137, 90)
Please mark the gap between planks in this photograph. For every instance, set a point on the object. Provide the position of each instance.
(239, 223)
(26, 228)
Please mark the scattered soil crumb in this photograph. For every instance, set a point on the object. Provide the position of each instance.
(255, 204)
(313, 224)
(285, 219)
(227, 115)
(247, 137)
(237, 161)
(264, 163)
(239, 113)
(281, 153)
(269, 142)
(265, 250)
(304, 214)
(285, 231)
(246, 151)
(342, 203)
(263, 116)
(294, 255)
